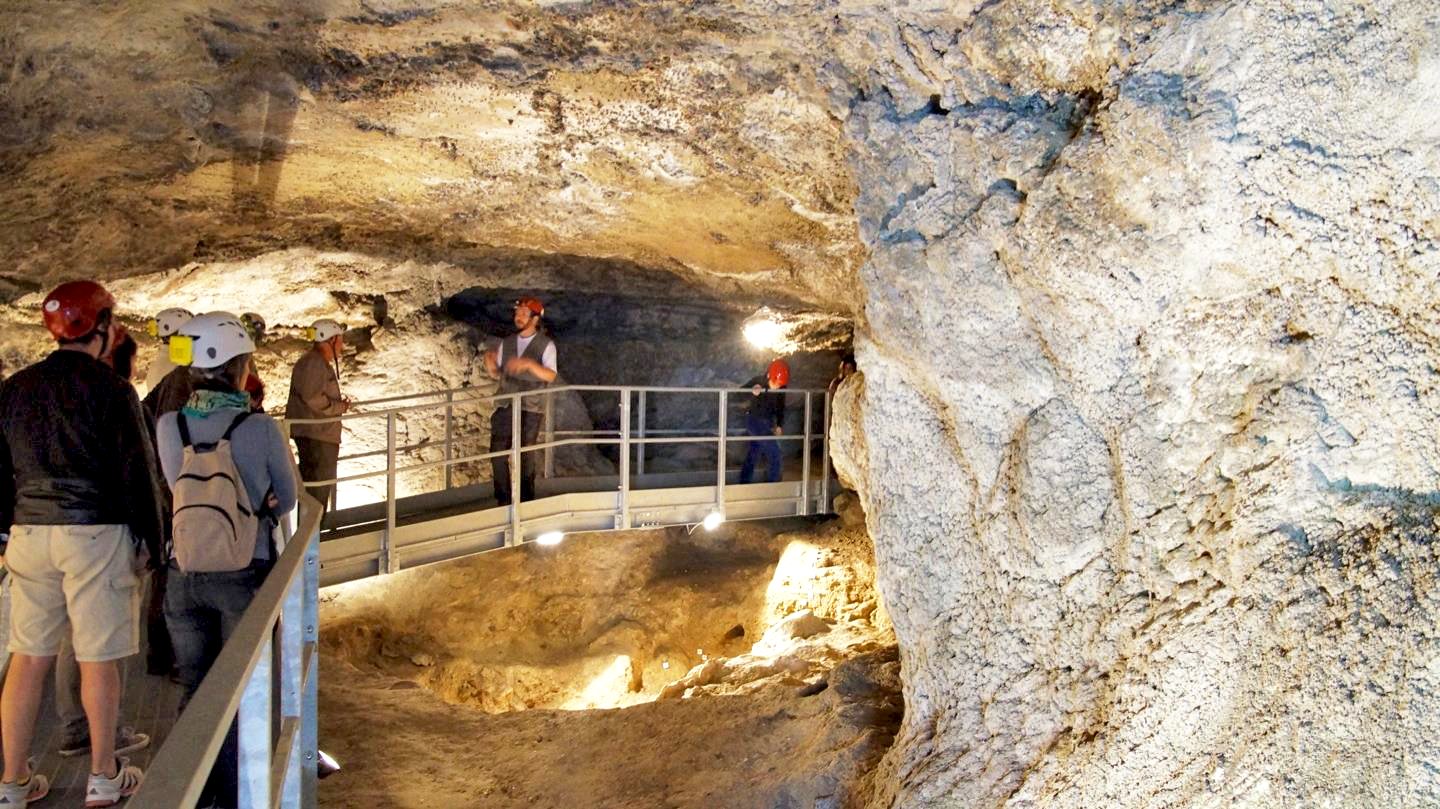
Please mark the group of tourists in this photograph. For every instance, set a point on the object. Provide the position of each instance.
(102, 496)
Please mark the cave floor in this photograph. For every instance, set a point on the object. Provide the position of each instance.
(402, 747)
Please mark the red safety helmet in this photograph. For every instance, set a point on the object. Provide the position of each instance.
(72, 310)
(533, 304)
(778, 373)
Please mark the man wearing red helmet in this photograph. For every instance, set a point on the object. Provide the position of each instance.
(766, 416)
(524, 361)
(79, 497)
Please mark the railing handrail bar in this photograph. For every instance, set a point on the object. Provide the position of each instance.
(181, 766)
(538, 392)
(566, 442)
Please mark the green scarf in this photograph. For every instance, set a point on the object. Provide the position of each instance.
(204, 402)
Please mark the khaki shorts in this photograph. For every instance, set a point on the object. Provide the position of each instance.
(80, 576)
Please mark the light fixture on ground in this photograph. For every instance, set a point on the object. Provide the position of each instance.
(712, 521)
(550, 538)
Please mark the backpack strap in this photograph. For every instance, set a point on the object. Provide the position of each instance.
(184, 430)
(244, 414)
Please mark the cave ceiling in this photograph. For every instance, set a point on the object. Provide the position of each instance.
(693, 139)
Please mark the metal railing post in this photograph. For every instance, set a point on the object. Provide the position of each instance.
(253, 718)
(310, 666)
(825, 460)
(515, 440)
(805, 461)
(720, 454)
(389, 559)
(449, 438)
(549, 436)
(292, 617)
(624, 520)
(640, 428)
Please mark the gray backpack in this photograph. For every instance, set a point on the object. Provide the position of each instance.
(213, 527)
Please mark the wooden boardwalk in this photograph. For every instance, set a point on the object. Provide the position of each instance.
(150, 706)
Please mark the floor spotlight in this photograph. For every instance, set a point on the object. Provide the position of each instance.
(712, 521)
(550, 538)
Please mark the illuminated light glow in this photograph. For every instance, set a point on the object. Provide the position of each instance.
(712, 521)
(550, 538)
(766, 334)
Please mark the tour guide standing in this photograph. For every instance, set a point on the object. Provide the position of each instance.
(79, 493)
(524, 361)
(766, 416)
(315, 394)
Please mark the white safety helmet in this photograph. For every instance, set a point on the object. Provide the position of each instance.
(324, 330)
(168, 322)
(211, 340)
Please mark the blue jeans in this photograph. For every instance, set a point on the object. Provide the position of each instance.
(202, 610)
(768, 450)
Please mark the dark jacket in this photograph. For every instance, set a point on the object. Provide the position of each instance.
(75, 450)
(314, 394)
(768, 406)
(170, 395)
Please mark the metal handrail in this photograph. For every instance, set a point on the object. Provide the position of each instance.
(239, 687)
(624, 438)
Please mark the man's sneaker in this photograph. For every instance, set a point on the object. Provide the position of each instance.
(29, 791)
(102, 791)
(127, 740)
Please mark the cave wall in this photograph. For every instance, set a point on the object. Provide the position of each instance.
(1148, 320)
(1146, 434)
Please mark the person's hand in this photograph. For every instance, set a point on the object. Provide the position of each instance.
(518, 365)
(757, 390)
(776, 430)
(271, 501)
(345, 404)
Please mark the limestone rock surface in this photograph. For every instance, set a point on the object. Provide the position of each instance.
(1145, 300)
(1150, 398)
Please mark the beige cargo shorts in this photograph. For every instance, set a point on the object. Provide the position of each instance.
(73, 578)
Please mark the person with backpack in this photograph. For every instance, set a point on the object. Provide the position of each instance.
(79, 500)
(231, 478)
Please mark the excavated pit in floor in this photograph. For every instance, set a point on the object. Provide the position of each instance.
(753, 665)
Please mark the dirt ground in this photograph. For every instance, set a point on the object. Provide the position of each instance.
(751, 667)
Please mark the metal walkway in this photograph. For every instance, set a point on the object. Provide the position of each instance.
(435, 519)
(437, 505)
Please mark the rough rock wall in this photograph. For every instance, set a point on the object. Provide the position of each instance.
(140, 136)
(1147, 422)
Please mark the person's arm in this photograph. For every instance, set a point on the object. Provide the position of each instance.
(138, 477)
(168, 447)
(492, 361)
(537, 370)
(546, 369)
(7, 490)
(283, 488)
